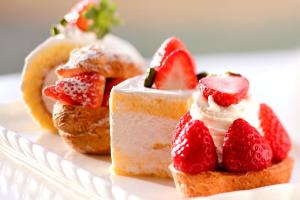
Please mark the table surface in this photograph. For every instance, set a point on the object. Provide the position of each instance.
(274, 72)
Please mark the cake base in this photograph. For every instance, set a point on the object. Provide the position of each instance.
(214, 182)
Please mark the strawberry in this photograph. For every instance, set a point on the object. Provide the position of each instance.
(68, 72)
(76, 15)
(176, 72)
(225, 90)
(168, 46)
(85, 89)
(275, 133)
(244, 149)
(182, 122)
(110, 83)
(194, 150)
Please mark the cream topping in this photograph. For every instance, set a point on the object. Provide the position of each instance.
(136, 85)
(218, 119)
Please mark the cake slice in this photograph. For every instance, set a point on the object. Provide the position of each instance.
(145, 110)
(142, 123)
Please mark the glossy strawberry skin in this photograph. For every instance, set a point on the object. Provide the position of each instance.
(225, 90)
(181, 124)
(194, 150)
(177, 72)
(244, 149)
(85, 90)
(275, 133)
(168, 46)
(110, 83)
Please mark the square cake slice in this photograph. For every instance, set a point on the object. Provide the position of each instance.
(142, 121)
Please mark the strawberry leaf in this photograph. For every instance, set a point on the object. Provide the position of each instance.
(103, 17)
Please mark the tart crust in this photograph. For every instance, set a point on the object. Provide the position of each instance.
(214, 182)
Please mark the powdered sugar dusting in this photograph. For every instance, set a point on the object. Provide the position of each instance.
(81, 89)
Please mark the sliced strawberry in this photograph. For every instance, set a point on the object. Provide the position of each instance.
(275, 133)
(225, 90)
(85, 89)
(177, 72)
(182, 122)
(76, 15)
(110, 83)
(244, 149)
(194, 150)
(67, 72)
(50, 91)
(168, 46)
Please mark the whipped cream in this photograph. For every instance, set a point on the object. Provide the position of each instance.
(218, 119)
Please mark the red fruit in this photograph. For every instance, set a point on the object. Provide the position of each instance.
(76, 15)
(275, 133)
(194, 150)
(168, 46)
(225, 90)
(67, 72)
(110, 83)
(85, 89)
(244, 149)
(182, 122)
(176, 72)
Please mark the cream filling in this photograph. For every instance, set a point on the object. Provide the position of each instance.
(218, 119)
(50, 79)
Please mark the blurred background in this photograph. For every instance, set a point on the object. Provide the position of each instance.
(206, 26)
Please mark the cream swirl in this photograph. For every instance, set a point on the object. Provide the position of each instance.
(218, 119)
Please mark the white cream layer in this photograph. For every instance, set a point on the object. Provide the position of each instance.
(135, 135)
(218, 119)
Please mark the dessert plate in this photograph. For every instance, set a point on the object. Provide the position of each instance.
(56, 172)
(37, 165)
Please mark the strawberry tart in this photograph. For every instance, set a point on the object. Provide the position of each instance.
(144, 112)
(227, 141)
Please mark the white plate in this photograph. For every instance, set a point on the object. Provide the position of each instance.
(88, 176)
(37, 165)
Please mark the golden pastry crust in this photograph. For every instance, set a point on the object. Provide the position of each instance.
(95, 59)
(85, 130)
(214, 182)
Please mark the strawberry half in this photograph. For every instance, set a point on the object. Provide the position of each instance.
(76, 15)
(275, 133)
(194, 150)
(85, 90)
(168, 46)
(225, 90)
(244, 149)
(176, 72)
(110, 83)
(182, 122)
